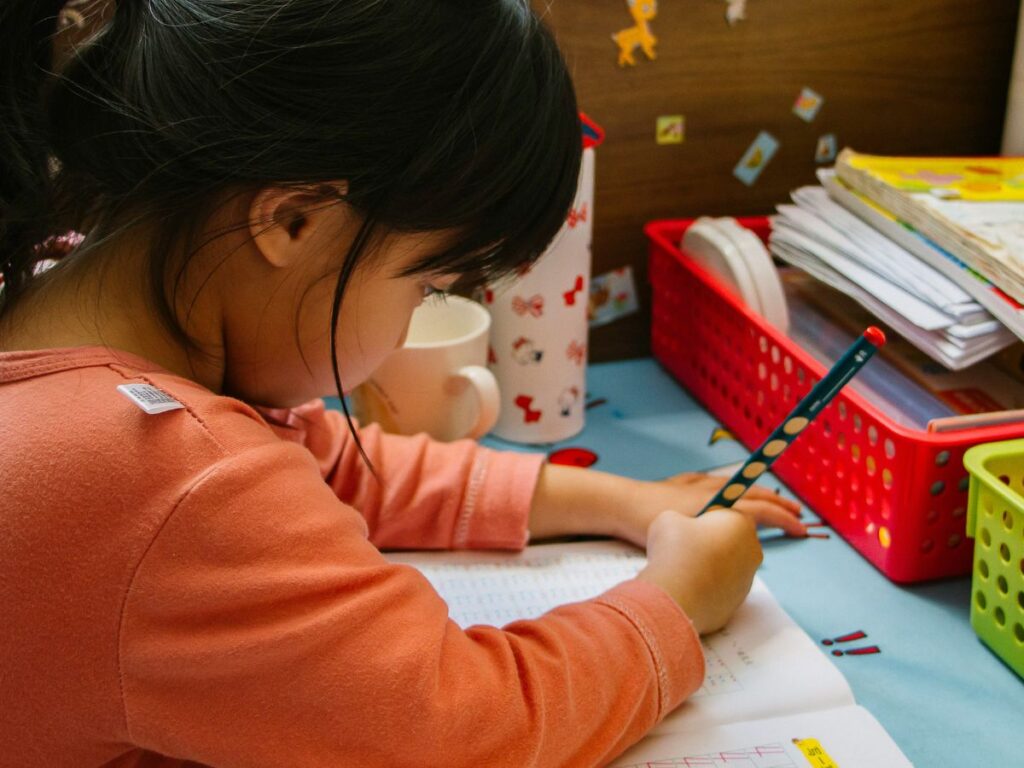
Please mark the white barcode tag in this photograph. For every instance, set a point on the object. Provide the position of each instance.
(149, 398)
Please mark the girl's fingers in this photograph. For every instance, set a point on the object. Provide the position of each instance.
(759, 493)
(771, 514)
(714, 483)
(687, 478)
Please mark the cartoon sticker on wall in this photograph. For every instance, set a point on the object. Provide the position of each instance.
(808, 104)
(612, 295)
(639, 35)
(754, 160)
(827, 148)
(735, 10)
(670, 129)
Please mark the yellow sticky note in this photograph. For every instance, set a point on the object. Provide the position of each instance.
(815, 753)
(671, 129)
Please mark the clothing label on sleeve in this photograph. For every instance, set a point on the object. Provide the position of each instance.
(149, 398)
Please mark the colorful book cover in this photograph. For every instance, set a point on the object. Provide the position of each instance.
(953, 178)
(971, 207)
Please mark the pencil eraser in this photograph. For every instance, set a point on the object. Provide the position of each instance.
(875, 336)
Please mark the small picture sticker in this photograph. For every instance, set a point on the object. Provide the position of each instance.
(735, 11)
(749, 168)
(827, 148)
(807, 105)
(612, 295)
(670, 129)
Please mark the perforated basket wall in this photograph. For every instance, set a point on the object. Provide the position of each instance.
(899, 496)
(995, 517)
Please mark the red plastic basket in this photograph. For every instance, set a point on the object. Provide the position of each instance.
(898, 495)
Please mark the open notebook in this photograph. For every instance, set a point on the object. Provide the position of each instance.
(770, 698)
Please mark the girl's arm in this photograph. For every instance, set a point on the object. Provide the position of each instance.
(261, 628)
(431, 495)
(570, 500)
(426, 494)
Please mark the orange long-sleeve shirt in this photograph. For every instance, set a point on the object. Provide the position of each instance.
(198, 587)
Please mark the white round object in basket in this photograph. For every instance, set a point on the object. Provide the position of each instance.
(739, 259)
(765, 276)
(715, 251)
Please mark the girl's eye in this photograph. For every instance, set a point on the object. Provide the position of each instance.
(430, 290)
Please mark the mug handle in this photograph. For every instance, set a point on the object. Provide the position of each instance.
(488, 399)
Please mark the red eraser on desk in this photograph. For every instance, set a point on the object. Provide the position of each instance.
(875, 336)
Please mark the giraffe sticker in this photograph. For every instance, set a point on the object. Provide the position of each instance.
(639, 35)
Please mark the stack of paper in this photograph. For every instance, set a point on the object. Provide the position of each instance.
(986, 293)
(933, 312)
(971, 207)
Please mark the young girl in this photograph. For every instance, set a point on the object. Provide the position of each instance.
(265, 190)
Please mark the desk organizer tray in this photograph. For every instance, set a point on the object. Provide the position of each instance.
(896, 494)
(995, 519)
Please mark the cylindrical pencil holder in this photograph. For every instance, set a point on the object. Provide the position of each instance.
(539, 331)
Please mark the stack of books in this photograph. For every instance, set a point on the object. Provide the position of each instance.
(934, 248)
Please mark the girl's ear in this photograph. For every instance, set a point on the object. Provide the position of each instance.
(282, 220)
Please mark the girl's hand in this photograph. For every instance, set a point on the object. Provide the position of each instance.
(690, 491)
(706, 565)
(570, 501)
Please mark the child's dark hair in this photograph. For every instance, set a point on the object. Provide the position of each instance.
(440, 114)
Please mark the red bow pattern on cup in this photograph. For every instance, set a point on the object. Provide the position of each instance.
(530, 416)
(576, 352)
(576, 216)
(570, 295)
(533, 305)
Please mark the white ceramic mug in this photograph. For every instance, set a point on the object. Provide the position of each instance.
(438, 382)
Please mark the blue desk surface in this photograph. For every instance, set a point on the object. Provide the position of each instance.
(944, 697)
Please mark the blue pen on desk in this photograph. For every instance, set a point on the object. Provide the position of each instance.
(821, 393)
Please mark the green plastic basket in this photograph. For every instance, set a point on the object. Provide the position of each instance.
(995, 518)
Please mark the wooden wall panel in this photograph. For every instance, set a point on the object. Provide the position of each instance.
(897, 76)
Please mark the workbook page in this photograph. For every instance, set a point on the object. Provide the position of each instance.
(761, 665)
(846, 737)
